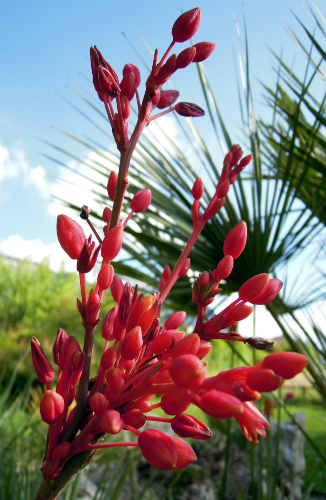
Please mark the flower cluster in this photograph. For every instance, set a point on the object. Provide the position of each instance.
(146, 364)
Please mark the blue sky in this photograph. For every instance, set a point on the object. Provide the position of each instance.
(45, 49)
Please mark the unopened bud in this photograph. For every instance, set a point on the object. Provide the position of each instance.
(186, 57)
(273, 288)
(203, 51)
(105, 277)
(60, 452)
(187, 371)
(112, 243)
(167, 98)
(135, 418)
(69, 347)
(128, 86)
(260, 343)
(131, 68)
(107, 326)
(141, 201)
(117, 288)
(218, 404)
(43, 368)
(51, 407)
(59, 341)
(224, 268)
(109, 358)
(285, 364)
(111, 422)
(99, 403)
(125, 107)
(175, 320)
(253, 288)
(175, 403)
(132, 343)
(166, 71)
(235, 240)
(112, 185)
(70, 235)
(189, 426)
(197, 189)
(107, 212)
(189, 109)
(185, 268)
(186, 25)
(264, 381)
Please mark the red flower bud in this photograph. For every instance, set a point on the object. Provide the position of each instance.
(115, 382)
(112, 185)
(131, 68)
(186, 454)
(51, 407)
(108, 81)
(117, 288)
(88, 256)
(135, 418)
(203, 51)
(253, 288)
(175, 320)
(186, 25)
(43, 368)
(59, 341)
(99, 404)
(197, 189)
(185, 268)
(125, 107)
(141, 201)
(158, 449)
(165, 340)
(204, 348)
(109, 357)
(189, 109)
(128, 86)
(166, 71)
(186, 57)
(189, 426)
(167, 98)
(285, 364)
(273, 287)
(178, 402)
(264, 381)
(235, 240)
(60, 452)
(107, 212)
(220, 405)
(70, 346)
(222, 189)
(188, 345)
(132, 343)
(224, 268)
(107, 326)
(111, 422)
(112, 243)
(237, 313)
(187, 371)
(70, 235)
(105, 277)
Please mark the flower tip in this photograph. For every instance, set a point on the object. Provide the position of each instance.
(186, 25)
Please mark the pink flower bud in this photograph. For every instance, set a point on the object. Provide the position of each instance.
(197, 189)
(203, 51)
(253, 288)
(115, 382)
(70, 235)
(107, 212)
(235, 240)
(188, 345)
(51, 407)
(273, 287)
(224, 268)
(99, 404)
(43, 368)
(189, 109)
(141, 201)
(105, 277)
(189, 426)
(88, 256)
(175, 320)
(165, 340)
(186, 57)
(128, 86)
(186, 26)
(158, 449)
(109, 358)
(132, 343)
(167, 98)
(116, 288)
(220, 405)
(112, 185)
(264, 381)
(111, 422)
(237, 313)
(135, 418)
(60, 452)
(112, 243)
(131, 68)
(167, 70)
(70, 346)
(222, 189)
(187, 371)
(107, 326)
(204, 348)
(285, 364)
(59, 341)
(186, 454)
(125, 108)
(185, 268)
(178, 402)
